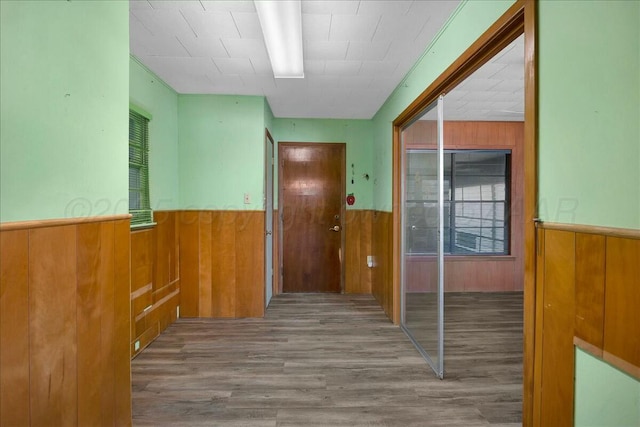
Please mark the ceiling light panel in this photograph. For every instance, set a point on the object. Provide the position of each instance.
(281, 23)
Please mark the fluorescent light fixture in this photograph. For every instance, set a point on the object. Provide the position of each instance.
(281, 22)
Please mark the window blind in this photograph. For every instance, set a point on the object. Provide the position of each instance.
(139, 203)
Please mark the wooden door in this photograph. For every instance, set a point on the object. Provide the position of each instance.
(311, 178)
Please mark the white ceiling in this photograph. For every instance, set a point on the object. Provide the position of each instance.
(493, 92)
(356, 52)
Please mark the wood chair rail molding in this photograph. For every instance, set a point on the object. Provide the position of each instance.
(591, 229)
(519, 19)
(41, 223)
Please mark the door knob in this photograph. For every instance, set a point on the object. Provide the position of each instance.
(335, 228)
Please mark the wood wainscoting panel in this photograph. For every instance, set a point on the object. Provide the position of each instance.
(622, 302)
(276, 254)
(155, 281)
(382, 279)
(223, 257)
(559, 319)
(589, 288)
(249, 264)
(588, 294)
(122, 312)
(358, 245)
(96, 353)
(14, 328)
(189, 263)
(65, 322)
(53, 325)
(222, 263)
(205, 265)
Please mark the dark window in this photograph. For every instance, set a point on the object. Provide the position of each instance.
(476, 202)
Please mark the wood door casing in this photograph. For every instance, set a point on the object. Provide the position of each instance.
(312, 182)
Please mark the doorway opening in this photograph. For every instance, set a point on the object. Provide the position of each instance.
(518, 20)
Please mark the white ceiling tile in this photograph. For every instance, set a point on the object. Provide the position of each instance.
(342, 7)
(312, 67)
(261, 65)
(367, 51)
(353, 28)
(352, 63)
(246, 48)
(508, 86)
(229, 5)
(176, 69)
(139, 4)
(176, 4)
(190, 84)
(499, 96)
(488, 70)
(163, 21)
(203, 46)
(479, 84)
(227, 84)
(315, 27)
(327, 50)
(234, 65)
(380, 7)
(259, 82)
(402, 29)
(143, 43)
(343, 68)
(433, 8)
(248, 24)
(374, 68)
(218, 24)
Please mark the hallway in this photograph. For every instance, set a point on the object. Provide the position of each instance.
(332, 360)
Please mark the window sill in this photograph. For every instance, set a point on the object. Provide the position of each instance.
(137, 227)
(462, 258)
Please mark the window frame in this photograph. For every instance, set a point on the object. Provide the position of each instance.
(142, 215)
(451, 203)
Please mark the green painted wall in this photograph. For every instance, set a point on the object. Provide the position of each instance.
(148, 91)
(268, 116)
(589, 119)
(64, 96)
(604, 396)
(465, 25)
(221, 151)
(358, 137)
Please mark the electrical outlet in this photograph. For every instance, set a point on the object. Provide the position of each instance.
(247, 198)
(136, 346)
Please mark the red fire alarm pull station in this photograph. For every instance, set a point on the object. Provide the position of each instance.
(351, 199)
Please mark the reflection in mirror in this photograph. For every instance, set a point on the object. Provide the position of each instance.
(481, 241)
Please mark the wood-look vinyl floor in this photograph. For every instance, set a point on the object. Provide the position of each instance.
(333, 360)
